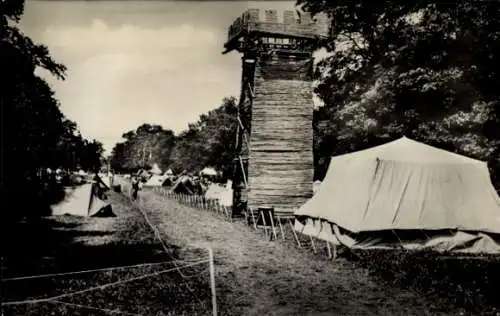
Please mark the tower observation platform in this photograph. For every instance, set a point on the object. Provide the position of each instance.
(274, 165)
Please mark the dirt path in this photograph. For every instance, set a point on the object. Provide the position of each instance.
(258, 277)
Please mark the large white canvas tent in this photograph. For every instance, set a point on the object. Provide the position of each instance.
(405, 193)
(105, 179)
(83, 200)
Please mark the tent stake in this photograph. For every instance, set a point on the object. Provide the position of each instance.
(294, 233)
(312, 244)
(329, 250)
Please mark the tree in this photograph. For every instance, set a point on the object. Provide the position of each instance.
(147, 145)
(423, 69)
(209, 141)
(35, 132)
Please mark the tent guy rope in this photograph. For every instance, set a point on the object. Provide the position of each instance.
(110, 311)
(31, 277)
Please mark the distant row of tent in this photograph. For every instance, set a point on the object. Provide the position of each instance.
(187, 185)
(405, 194)
(156, 170)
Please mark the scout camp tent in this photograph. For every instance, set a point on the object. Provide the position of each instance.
(105, 179)
(156, 170)
(208, 171)
(155, 181)
(82, 173)
(143, 174)
(168, 181)
(83, 200)
(226, 196)
(184, 185)
(214, 191)
(387, 195)
(169, 172)
(223, 194)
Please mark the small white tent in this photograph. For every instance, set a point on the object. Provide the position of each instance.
(82, 173)
(223, 194)
(82, 200)
(213, 192)
(169, 172)
(208, 171)
(155, 181)
(399, 187)
(156, 170)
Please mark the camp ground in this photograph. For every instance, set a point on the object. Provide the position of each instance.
(311, 158)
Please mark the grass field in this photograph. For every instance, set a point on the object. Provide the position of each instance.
(253, 276)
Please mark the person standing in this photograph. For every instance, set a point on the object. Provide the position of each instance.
(111, 178)
(135, 187)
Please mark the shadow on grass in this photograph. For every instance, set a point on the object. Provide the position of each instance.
(50, 245)
(466, 282)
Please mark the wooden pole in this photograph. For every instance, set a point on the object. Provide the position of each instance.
(329, 250)
(294, 233)
(212, 281)
(312, 244)
(261, 213)
(281, 227)
(253, 218)
(243, 172)
(272, 225)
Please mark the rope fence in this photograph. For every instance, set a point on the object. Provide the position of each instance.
(51, 275)
(99, 287)
(179, 265)
(157, 234)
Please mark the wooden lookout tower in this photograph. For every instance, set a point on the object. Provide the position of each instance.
(274, 166)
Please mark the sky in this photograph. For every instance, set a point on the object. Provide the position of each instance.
(138, 62)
